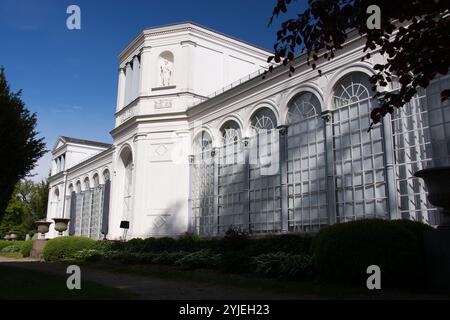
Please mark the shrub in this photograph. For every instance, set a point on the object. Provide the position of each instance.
(235, 239)
(168, 258)
(64, 248)
(4, 243)
(269, 263)
(416, 227)
(26, 248)
(88, 255)
(201, 259)
(288, 243)
(135, 258)
(343, 252)
(235, 262)
(297, 267)
(11, 249)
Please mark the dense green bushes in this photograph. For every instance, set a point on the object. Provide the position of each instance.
(339, 253)
(4, 243)
(11, 249)
(284, 265)
(26, 248)
(343, 252)
(65, 248)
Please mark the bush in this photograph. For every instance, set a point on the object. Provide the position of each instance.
(11, 249)
(343, 252)
(235, 262)
(416, 227)
(65, 248)
(88, 255)
(287, 243)
(168, 258)
(284, 265)
(4, 243)
(201, 259)
(269, 263)
(26, 248)
(297, 267)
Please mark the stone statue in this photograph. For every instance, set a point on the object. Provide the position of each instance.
(165, 73)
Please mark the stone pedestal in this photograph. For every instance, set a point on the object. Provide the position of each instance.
(437, 249)
(37, 250)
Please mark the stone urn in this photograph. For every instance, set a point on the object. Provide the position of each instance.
(61, 225)
(7, 237)
(437, 180)
(43, 227)
(13, 235)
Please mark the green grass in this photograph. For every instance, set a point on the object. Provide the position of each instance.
(306, 289)
(14, 255)
(19, 283)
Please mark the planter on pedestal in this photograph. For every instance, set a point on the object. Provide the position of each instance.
(61, 225)
(437, 242)
(43, 227)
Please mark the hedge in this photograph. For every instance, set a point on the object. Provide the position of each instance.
(65, 248)
(26, 248)
(342, 252)
(4, 243)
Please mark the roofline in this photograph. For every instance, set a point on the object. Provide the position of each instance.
(192, 24)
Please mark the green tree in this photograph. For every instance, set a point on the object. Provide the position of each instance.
(21, 148)
(414, 35)
(28, 204)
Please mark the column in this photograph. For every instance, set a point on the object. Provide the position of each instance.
(215, 159)
(191, 159)
(120, 89)
(391, 189)
(329, 154)
(128, 83)
(283, 131)
(145, 67)
(135, 86)
(246, 200)
(187, 80)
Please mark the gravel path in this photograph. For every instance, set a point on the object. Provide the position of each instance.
(147, 287)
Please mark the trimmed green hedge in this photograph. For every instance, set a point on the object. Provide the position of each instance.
(342, 252)
(4, 243)
(26, 248)
(65, 248)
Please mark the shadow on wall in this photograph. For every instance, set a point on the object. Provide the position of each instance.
(167, 222)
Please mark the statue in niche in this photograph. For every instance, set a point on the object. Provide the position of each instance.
(165, 72)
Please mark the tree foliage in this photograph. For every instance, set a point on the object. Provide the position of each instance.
(20, 146)
(28, 204)
(414, 37)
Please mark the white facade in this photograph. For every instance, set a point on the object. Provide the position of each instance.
(203, 141)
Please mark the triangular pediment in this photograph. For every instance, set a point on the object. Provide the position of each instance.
(59, 143)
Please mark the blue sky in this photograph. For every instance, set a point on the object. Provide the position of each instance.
(69, 78)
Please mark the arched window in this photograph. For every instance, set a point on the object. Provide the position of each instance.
(303, 106)
(78, 187)
(306, 164)
(358, 154)
(352, 89)
(263, 120)
(87, 184)
(106, 175)
(231, 132)
(127, 162)
(202, 142)
(96, 180)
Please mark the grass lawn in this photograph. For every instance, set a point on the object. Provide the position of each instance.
(15, 255)
(307, 289)
(19, 283)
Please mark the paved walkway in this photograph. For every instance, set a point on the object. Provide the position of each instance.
(147, 287)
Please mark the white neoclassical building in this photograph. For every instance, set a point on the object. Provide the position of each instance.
(203, 141)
